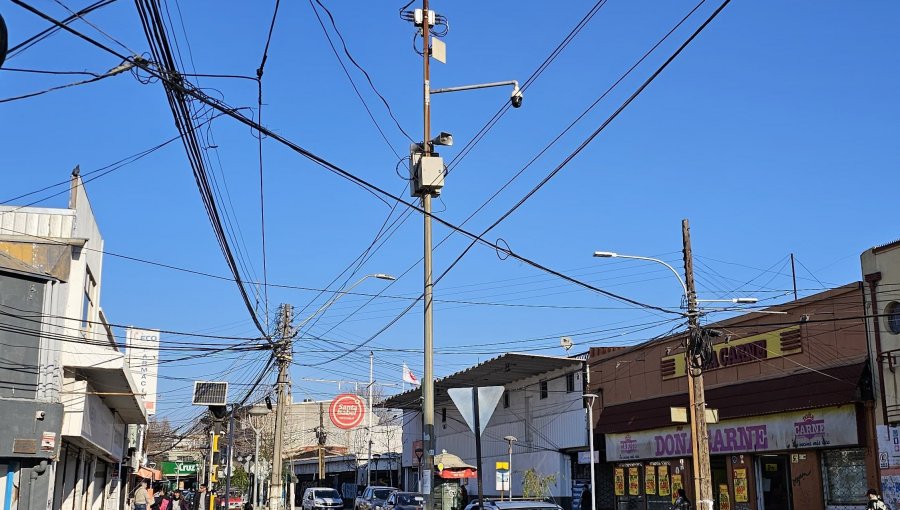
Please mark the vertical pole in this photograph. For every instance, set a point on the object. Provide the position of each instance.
(229, 457)
(509, 485)
(591, 436)
(794, 276)
(283, 354)
(322, 440)
(428, 376)
(209, 472)
(694, 370)
(371, 381)
(480, 475)
(256, 484)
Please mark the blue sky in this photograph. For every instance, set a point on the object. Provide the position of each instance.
(773, 132)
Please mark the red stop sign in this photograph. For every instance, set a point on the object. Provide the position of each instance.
(347, 411)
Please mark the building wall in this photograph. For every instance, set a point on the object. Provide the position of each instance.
(834, 331)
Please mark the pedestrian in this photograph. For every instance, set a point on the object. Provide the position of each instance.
(178, 502)
(875, 502)
(141, 499)
(586, 503)
(681, 502)
(201, 499)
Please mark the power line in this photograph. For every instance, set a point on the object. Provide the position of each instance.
(47, 32)
(121, 68)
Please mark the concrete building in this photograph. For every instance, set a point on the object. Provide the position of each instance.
(794, 394)
(75, 372)
(542, 407)
(881, 277)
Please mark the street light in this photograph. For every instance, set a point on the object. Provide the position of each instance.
(510, 440)
(592, 396)
(256, 411)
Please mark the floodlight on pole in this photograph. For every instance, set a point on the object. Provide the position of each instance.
(510, 440)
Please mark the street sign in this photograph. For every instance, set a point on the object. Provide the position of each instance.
(680, 415)
(503, 480)
(488, 397)
(347, 411)
(501, 465)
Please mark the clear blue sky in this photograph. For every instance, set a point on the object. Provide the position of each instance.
(774, 132)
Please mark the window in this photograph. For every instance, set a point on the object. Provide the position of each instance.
(892, 317)
(570, 382)
(544, 390)
(506, 400)
(844, 476)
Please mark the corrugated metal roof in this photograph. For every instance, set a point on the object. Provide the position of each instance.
(499, 371)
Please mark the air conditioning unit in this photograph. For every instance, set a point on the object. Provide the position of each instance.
(210, 393)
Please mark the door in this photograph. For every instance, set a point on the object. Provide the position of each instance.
(774, 482)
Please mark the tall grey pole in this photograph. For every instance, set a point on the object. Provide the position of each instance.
(371, 382)
(229, 457)
(283, 355)
(428, 376)
(256, 484)
(477, 420)
(591, 436)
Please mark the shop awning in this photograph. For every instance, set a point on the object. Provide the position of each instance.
(451, 466)
(148, 473)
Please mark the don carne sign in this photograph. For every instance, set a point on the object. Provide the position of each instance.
(817, 428)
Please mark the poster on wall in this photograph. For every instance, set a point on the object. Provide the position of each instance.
(650, 480)
(740, 485)
(676, 484)
(620, 481)
(664, 481)
(724, 499)
(634, 481)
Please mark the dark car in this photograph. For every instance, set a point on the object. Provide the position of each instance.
(404, 501)
(513, 505)
(373, 498)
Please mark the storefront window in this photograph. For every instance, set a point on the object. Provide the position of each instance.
(845, 476)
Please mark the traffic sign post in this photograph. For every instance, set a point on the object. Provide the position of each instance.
(477, 405)
(503, 476)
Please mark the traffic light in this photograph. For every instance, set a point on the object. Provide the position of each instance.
(215, 449)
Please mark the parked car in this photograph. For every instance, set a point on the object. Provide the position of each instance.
(404, 501)
(322, 498)
(373, 498)
(513, 505)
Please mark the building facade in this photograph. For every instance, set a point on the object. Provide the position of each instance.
(542, 408)
(881, 278)
(792, 389)
(70, 355)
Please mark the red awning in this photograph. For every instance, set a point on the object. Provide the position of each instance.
(458, 473)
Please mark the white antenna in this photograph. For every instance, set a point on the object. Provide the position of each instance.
(566, 343)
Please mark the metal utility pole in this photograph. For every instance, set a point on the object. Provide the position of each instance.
(428, 376)
(694, 370)
(322, 439)
(591, 435)
(283, 355)
(794, 276)
(230, 456)
(371, 383)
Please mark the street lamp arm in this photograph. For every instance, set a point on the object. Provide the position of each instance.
(608, 254)
(514, 83)
(339, 295)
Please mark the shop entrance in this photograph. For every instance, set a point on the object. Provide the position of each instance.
(719, 481)
(774, 481)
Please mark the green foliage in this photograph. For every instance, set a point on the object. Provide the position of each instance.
(535, 486)
(240, 480)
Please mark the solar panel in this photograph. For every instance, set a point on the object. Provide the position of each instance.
(209, 393)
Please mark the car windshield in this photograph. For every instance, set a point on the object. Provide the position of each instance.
(410, 499)
(327, 493)
(381, 493)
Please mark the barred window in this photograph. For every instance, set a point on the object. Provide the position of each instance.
(845, 476)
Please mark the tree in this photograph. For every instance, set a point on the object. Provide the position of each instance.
(240, 480)
(535, 486)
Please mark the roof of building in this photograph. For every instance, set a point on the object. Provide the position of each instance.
(14, 265)
(500, 371)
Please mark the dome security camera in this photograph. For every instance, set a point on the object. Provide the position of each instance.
(516, 97)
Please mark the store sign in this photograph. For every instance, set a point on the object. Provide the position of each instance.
(818, 428)
(179, 468)
(751, 349)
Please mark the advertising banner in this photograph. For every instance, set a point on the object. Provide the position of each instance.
(142, 348)
(816, 428)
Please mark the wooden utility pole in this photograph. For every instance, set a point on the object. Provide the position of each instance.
(283, 354)
(321, 438)
(694, 370)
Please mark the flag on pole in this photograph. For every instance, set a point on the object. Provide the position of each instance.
(408, 376)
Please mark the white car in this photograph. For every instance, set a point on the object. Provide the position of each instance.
(322, 498)
(513, 505)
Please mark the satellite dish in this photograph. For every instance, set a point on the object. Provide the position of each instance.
(566, 343)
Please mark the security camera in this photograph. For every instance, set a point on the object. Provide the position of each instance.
(516, 97)
(40, 415)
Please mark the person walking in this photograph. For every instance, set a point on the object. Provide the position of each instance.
(141, 498)
(875, 502)
(201, 499)
(681, 502)
(178, 502)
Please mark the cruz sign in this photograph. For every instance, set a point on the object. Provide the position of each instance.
(346, 411)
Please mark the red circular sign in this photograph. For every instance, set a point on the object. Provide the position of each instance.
(347, 411)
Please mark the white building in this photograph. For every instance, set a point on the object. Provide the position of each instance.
(542, 407)
(80, 364)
